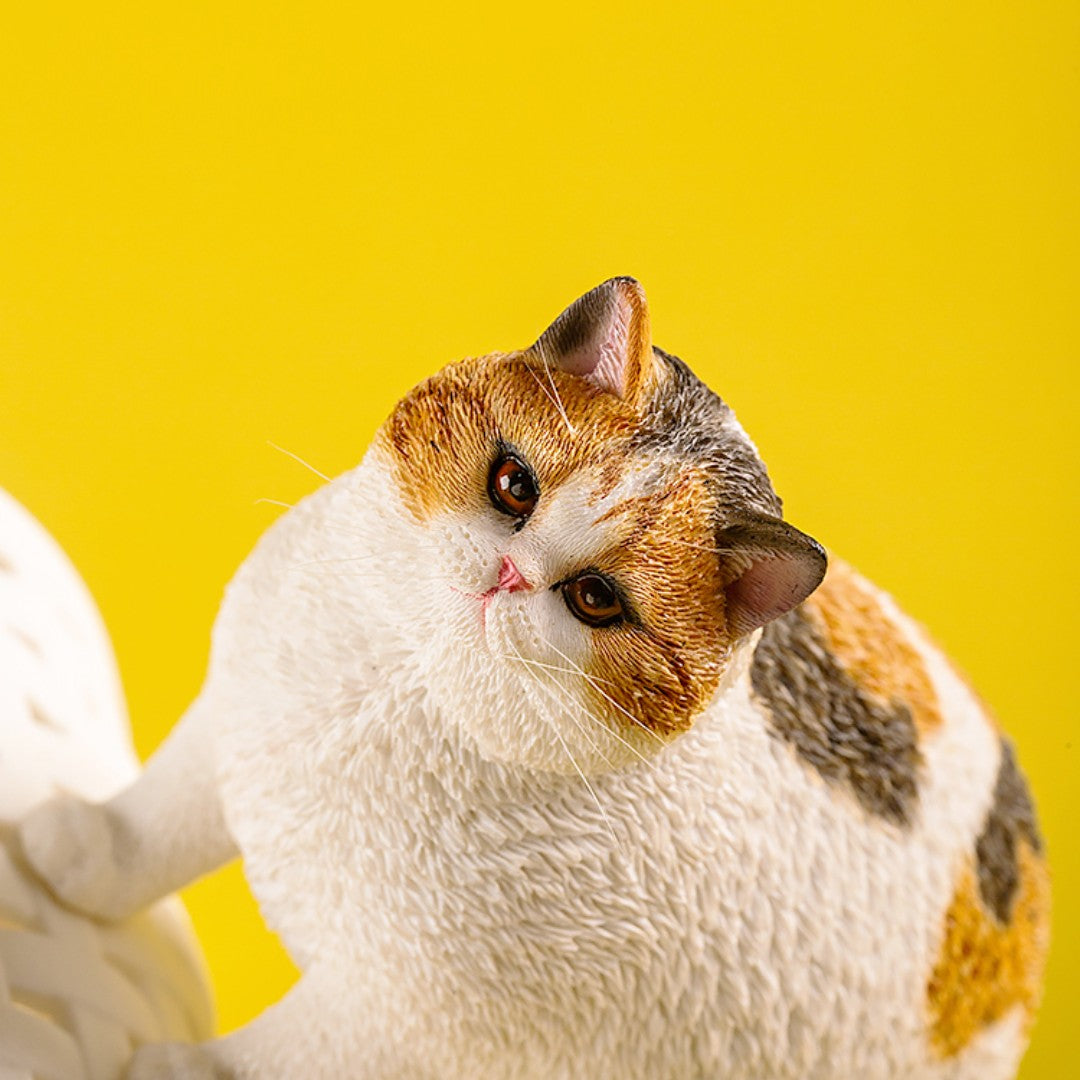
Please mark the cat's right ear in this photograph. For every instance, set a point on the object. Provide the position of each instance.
(772, 567)
(604, 336)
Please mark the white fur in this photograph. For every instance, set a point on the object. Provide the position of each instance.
(464, 903)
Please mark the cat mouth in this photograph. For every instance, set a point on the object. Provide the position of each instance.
(483, 599)
(510, 580)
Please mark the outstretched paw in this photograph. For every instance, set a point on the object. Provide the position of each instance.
(69, 844)
(174, 1061)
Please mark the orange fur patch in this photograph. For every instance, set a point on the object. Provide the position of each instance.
(870, 647)
(985, 968)
(663, 673)
(443, 435)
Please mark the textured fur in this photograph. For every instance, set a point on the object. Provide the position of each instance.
(502, 843)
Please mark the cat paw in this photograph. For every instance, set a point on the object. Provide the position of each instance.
(69, 845)
(174, 1061)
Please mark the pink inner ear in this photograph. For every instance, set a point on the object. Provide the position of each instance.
(769, 588)
(602, 360)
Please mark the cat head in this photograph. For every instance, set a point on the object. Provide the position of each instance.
(596, 535)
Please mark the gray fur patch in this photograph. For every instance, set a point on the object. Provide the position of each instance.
(849, 738)
(1010, 818)
(687, 421)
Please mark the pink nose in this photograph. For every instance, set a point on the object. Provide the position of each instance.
(510, 577)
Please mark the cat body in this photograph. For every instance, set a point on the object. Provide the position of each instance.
(552, 751)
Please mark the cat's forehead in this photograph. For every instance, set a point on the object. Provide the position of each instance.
(444, 433)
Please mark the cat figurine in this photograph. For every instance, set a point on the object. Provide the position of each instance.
(553, 751)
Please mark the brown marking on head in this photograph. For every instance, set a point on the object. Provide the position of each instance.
(871, 648)
(997, 926)
(445, 433)
(849, 737)
(662, 665)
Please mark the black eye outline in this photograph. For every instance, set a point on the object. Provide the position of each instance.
(497, 490)
(623, 615)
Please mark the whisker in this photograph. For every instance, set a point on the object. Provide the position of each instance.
(611, 731)
(326, 567)
(584, 779)
(555, 391)
(346, 530)
(581, 708)
(297, 458)
(555, 400)
(554, 697)
(592, 682)
(553, 667)
(546, 391)
(275, 502)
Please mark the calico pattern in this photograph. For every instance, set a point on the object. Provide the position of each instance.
(986, 967)
(1009, 825)
(863, 745)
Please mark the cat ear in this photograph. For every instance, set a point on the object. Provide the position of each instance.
(774, 569)
(605, 337)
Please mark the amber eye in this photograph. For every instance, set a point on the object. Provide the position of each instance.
(592, 599)
(512, 487)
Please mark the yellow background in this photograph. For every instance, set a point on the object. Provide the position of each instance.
(222, 224)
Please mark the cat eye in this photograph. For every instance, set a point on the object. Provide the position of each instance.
(592, 599)
(512, 487)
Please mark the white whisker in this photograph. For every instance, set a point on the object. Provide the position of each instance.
(326, 567)
(629, 745)
(593, 683)
(275, 502)
(346, 530)
(555, 391)
(297, 458)
(611, 731)
(552, 696)
(553, 667)
(555, 399)
(584, 779)
(581, 708)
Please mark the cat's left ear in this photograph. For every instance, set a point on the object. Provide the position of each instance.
(772, 568)
(605, 337)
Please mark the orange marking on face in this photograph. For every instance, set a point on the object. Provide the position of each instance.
(663, 672)
(443, 435)
(985, 968)
(873, 650)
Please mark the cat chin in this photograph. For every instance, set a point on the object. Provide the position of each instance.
(516, 734)
(532, 747)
